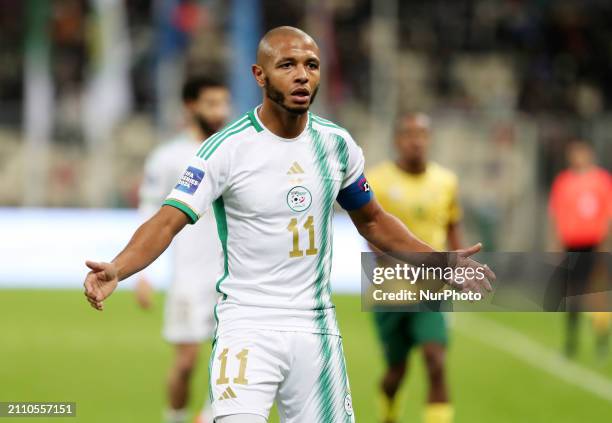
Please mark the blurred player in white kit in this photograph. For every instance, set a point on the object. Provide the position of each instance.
(197, 254)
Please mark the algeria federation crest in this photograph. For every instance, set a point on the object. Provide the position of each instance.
(348, 404)
(299, 199)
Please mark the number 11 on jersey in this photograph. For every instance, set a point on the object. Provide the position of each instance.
(294, 229)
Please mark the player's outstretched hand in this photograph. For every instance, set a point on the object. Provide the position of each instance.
(477, 280)
(100, 282)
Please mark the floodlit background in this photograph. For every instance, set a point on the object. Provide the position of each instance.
(89, 88)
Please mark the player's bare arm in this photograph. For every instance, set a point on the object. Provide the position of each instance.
(384, 231)
(148, 242)
(390, 235)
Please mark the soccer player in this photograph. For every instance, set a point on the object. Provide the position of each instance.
(197, 256)
(581, 207)
(423, 195)
(272, 178)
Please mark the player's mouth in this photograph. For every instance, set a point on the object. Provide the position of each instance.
(300, 96)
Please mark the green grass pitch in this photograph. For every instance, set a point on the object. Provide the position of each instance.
(54, 347)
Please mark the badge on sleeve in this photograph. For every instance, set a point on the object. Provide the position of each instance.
(191, 180)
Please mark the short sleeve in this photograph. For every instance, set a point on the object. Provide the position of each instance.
(202, 182)
(355, 162)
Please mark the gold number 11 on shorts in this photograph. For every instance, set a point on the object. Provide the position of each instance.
(241, 379)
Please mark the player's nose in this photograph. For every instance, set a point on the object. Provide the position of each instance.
(301, 74)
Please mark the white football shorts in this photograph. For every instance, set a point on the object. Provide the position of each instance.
(189, 316)
(305, 373)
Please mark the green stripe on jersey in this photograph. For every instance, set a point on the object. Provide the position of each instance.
(325, 122)
(329, 379)
(210, 364)
(256, 124)
(326, 383)
(327, 207)
(208, 152)
(322, 119)
(221, 219)
(342, 151)
(208, 142)
(344, 374)
(193, 216)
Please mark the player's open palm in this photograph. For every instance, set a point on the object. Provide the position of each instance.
(475, 277)
(100, 282)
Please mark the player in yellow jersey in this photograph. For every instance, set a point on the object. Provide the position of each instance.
(423, 195)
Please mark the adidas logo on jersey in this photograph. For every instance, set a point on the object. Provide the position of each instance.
(227, 394)
(295, 169)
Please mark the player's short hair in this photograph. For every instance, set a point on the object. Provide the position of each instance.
(578, 140)
(421, 118)
(579, 144)
(194, 85)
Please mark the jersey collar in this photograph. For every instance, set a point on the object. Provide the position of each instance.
(260, 127)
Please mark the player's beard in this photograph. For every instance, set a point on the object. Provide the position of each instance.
(206, 127)
(278, 97)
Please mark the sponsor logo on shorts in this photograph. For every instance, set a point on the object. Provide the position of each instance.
(299, 199)
(348, 404)
(191, 180)
(227, 394)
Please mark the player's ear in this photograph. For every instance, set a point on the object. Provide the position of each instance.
(259, 75)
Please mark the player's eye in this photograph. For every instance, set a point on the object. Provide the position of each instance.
(313, 66)
(285, 65)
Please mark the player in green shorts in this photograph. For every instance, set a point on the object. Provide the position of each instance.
(423, 195)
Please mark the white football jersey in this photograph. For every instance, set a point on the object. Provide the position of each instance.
(274, 204)
(197, 256)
